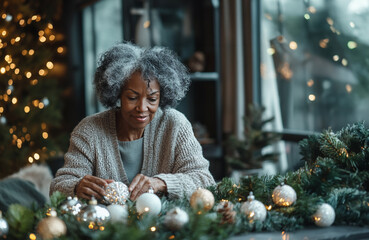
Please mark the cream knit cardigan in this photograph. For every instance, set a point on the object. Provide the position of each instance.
(171, 153)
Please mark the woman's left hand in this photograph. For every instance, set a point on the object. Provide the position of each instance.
(141, 184)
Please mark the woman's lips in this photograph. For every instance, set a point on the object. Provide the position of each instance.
(141, 118)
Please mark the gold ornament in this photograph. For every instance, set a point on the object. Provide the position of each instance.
(284, 195)
(202, 199)
(51, 227)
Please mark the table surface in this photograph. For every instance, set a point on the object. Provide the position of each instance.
(313, 233)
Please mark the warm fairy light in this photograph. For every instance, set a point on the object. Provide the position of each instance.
(312, 9)
(52, 37)
(30, 159)
(3, 15)
(43, 126)
(35, 102)
(172, 237)
(344, 62)
(352, 24)
(293, 45)
(28, 137)
(8, 58)
(5, 98)
(146, 209)
(153, 229)
(91, 225)
(27, 109)
(49, 25)
(9, 91)
(36, 156)
(24, 129)
(42, 39)
(12, 65)
(270, 51)
(312, 97)
(17, 39)
(24, 52)
(34, 82)
(34, 17)
(41, 33)
(19, 143)
(2, 70)
(41, 105)
(336, 58)
(268, 207)
(351, 44)
(50, 65)
(146, 24)
(12, 41)
(7, 68)
(102, 228)
(307, 16)
(45, 135)
(41, 72)
(31, 52)
(16, 71)
(1, 109)
(14, 100)
(330, 21)
(60, 49)
(22, 22)
(38, 18)
(324, 42)
(348, 88)
(32, 236)
(28, 74)
(3, 33)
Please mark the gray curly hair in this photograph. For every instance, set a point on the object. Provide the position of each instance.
(117, 64)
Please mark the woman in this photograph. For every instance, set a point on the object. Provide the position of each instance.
(141, 140)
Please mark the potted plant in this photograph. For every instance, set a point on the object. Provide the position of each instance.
(244, 156)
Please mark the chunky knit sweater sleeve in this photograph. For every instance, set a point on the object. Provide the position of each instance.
(189, 169)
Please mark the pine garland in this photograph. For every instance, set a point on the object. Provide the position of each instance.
(336, 172)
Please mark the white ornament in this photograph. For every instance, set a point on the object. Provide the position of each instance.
(116, 193)
(284, 195)
(175, 219)
(148, 203)
(71, 205)
(324, 216)
(118, 213)
(4, 227)
(95, 215)
(253, 209)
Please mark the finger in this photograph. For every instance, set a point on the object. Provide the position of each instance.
(135, 181)
(142, 187)
(109, 181)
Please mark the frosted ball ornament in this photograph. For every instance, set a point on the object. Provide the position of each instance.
(202, 199)
(118, 213)
(95, 215)
(175, 219)
(324, 216)
(51, 227)
(284, 195)
(253, 209)
(148, 203)
(116, 193)
(4, 227)
(71, 205)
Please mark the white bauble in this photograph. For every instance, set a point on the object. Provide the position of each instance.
(148, 203)
(71, 205)
(284, 195)
(324, 216)
(175, 219)
(116, 193)
(118, 213)
(4, 227)
(253, 209)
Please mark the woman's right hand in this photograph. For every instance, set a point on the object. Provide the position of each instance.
(92, 186)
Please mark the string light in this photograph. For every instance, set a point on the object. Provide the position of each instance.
(49, 65)
(293, 45)
(45, 135)
(312, 97)
(344, 62)
(36, 156)
(336, 58)
(60, 50)
(27, 109)
(31, 52)
(310, 83)
(348, 88)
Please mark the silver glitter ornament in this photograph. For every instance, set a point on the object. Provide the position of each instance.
(284, 195)
(4, 227)
(95, 215)
(324, 216)
(253, 209)
(116, 193)
(175, 219)
(71, 205)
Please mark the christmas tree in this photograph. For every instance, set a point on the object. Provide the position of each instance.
(30, 104)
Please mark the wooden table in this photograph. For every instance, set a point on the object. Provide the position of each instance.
(312, 233)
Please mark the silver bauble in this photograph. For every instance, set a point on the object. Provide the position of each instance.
(175, 219)
(95, 215)
(71, 205)
(4, 227)
(116, 193)
(284, 195)
(253, 209)
(51, 227)
(324, 216)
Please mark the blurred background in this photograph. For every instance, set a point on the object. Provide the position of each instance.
(265, 73)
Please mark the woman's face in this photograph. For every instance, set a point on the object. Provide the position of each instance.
(139, 101)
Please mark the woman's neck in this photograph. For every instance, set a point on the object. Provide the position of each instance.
(125, 133)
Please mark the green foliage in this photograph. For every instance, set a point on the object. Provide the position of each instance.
(21, 221)
(30, 101)
(246, 153)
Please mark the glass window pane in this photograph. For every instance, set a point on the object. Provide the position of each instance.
(314, 62)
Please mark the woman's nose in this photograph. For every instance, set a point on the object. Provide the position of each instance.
(141, 105)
